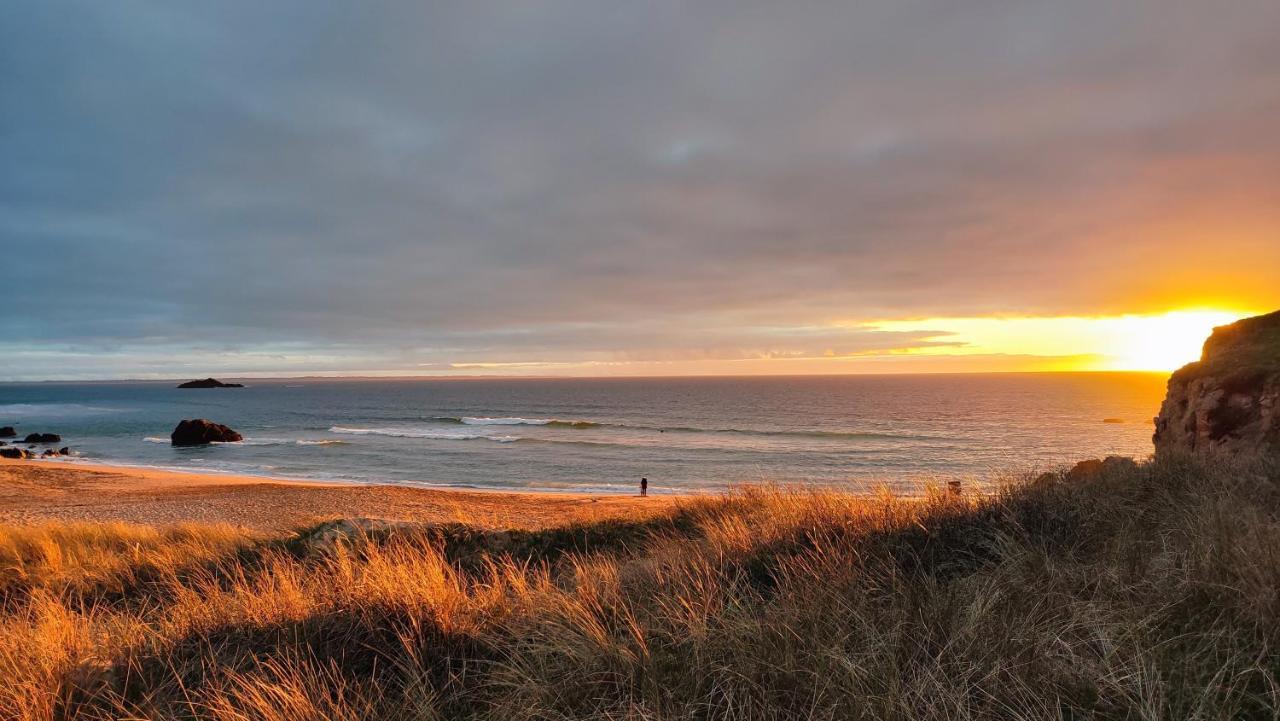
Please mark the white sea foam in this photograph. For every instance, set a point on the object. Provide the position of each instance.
(517, 421)
(245, 442)
(474, 421)
(322, 442)
(421, 433)
(54, 409)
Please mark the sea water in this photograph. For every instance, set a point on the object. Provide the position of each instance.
(684, 434)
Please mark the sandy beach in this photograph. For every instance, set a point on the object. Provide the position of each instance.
(38, 491)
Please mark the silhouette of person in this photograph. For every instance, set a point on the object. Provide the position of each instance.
(644, 486)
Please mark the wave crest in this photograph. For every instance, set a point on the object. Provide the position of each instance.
(514, 421)
(428, 434)
(245, 442)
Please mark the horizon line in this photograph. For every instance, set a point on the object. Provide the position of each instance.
(314, 378)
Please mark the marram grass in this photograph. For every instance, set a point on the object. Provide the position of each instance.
(1145, 593)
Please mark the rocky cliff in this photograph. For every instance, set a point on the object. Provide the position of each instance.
(1230, 399)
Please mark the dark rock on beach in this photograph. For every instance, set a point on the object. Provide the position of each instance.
(7, 432)
(199, 432)
(42, 438)
(1229, 400)
(15, 453)
(210, 383)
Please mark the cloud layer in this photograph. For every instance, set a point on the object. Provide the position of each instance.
(327, 186)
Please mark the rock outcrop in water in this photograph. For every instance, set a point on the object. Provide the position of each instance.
(1229, 400)
(42, 438)
(199, 432)
(210, 383)
(7, 432)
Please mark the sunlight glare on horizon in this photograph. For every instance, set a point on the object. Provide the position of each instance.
(1165, 342)
(1161, 342)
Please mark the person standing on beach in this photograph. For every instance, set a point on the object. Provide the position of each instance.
(644, 486)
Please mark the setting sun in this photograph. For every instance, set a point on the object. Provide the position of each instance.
(1129, 342)
(1161, 343)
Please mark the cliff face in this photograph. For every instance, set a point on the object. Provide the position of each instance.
(1230, 399)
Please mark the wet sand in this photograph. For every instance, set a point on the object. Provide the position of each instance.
(39, 491)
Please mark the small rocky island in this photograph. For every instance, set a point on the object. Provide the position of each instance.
(1229, 400)
(210, 383)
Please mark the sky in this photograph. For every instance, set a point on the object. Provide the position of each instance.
(587, 188)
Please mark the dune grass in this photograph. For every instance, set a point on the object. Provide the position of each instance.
(1150, 592)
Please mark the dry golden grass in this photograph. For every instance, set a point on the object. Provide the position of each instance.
(1142, 593)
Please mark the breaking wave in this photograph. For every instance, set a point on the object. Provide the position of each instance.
(54, 410)
(847, 435)
(556, 422)
(513, 421)
(245, 442)
(422, 433)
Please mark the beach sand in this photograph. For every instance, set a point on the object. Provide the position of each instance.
(37, 491)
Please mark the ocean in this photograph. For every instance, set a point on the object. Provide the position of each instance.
(684, 434)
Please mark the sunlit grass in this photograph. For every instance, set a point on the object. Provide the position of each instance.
(1145, 592)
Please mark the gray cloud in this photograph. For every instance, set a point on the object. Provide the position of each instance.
(409, 185)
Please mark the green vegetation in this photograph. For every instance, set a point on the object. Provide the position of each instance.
(1146, 592)
(1244, 351)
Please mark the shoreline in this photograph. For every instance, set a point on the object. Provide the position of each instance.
(170, 475)
(37, 491)
(106, 466)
